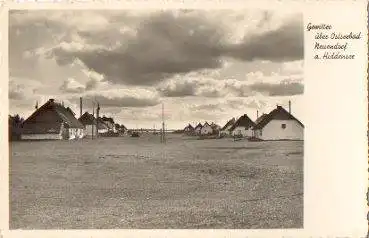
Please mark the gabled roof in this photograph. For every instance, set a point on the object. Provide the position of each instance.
(278, 113)
(229, 123)
(243, 121)
(108, 119)
(189, 126)
(198, 126)
(87, 119)
(101, 124)
(206, 124)
(260, 118)
(48, 119)
(215, 126)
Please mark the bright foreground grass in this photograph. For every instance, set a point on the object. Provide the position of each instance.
(140, 183)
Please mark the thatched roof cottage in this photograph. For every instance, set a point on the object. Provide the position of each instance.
(52, 121)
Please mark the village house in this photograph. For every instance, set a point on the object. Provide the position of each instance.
(89, 122)
(279, 124)
(206, 129)
(198, 129)
(52, 121)
(189, 129)
(243, 127)
(110, 123)
(121, 129)
(226, 129)
(216, 128)
(102, 127)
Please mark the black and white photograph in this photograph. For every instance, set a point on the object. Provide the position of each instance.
(156, 119)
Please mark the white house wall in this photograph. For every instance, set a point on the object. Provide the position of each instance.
(88, 130)
(75, 133)
(241, 130)
(206, 130)
(274, 131)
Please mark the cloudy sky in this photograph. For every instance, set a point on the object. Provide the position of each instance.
(203, 65)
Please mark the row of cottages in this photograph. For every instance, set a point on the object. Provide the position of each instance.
(205, 129)
(104, 125)
(52, 121)
(89, 122)
(279, 124)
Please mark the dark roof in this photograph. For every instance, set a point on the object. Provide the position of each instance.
(260, 118)
(198, 126)
(87, 119)
(48, 119)
(243, 121)
(214, 126)
(101, 124)
(278, 113)
(206, 123)
(230, 122)
(108, 119)
(189, 126)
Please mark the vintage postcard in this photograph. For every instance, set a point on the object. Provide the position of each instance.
(145, 118)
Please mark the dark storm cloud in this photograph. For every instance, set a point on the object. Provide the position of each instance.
(146, 49)
(166, 44)
(282, 89)
(125, 101)
(283, 44)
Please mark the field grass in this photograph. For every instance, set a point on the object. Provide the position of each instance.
(129, 182)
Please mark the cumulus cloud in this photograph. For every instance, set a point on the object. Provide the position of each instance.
(282, 89)
(123, 101)
(282, 44)
(178, 89)
(70, 85)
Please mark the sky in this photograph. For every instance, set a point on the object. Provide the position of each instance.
(202, 65)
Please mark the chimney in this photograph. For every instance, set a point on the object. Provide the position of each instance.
(36, 107)
(51, 100)
(289, 107)
(80, 106)
(257, 114)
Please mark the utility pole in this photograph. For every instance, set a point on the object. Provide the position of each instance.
(93, 116)
(97, 121)
(163, 124)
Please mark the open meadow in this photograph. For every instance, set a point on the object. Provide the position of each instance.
(127, 182)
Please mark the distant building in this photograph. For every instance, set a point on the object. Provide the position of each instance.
(89, 122)
(102, 127)
(226, 129)
(259, 119)
(110, 123)
(198, 129)
(243, 127)
(121, 128)
(52, 121)
(279, 124)
(216, 128)
(206, 129)
(189, 129)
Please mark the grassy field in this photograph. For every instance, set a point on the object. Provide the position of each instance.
(139, 183)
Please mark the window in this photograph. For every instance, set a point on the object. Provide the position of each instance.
(283, 126)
